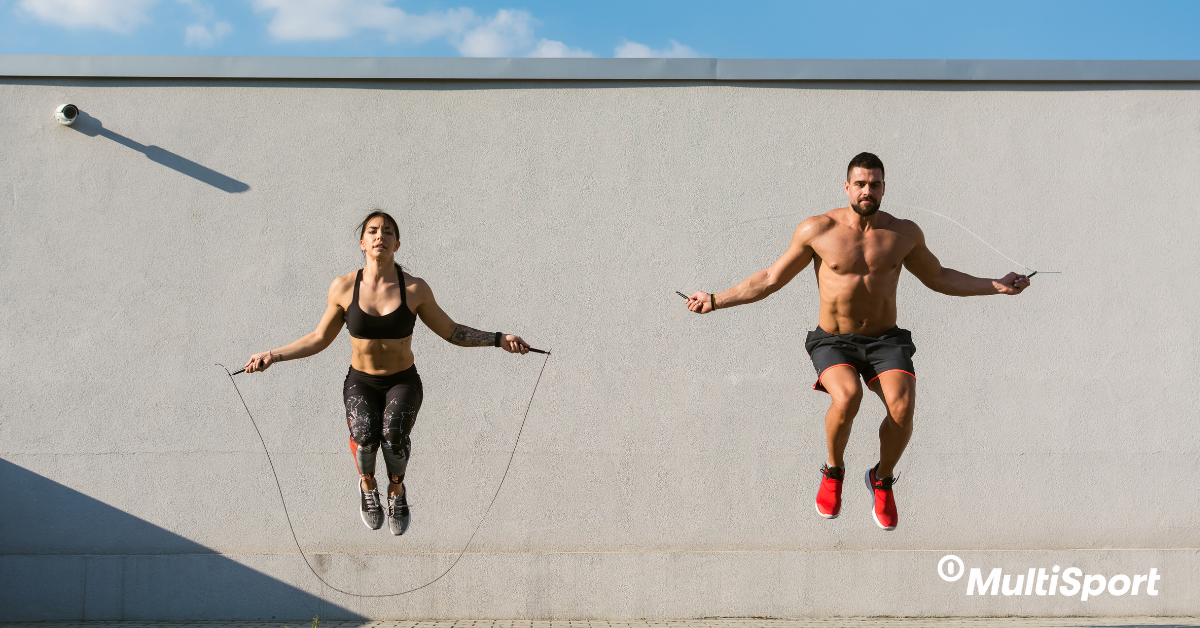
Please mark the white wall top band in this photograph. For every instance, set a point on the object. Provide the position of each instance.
(431, 68)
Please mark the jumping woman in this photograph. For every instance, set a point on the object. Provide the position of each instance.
(380, 305)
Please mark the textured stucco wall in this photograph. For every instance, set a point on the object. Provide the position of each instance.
(669, 462)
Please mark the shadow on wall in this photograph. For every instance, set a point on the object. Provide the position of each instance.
(66, 556)
(92, 127)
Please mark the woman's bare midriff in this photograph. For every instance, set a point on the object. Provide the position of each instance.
(381, 356)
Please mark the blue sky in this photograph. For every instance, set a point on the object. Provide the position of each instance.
(1143, 29)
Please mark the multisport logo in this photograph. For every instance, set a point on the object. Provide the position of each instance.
(1067, 582)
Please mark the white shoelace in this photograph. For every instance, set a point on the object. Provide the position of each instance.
(372, 498)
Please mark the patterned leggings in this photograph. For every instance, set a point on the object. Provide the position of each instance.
(380, 412)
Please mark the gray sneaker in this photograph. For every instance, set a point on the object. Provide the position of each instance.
(398, 515)
(372, 512)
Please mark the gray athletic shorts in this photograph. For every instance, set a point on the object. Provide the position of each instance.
(869, 355)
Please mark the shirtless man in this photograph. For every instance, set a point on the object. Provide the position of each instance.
(858, 252)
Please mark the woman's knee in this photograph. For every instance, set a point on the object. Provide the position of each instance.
(397, 444)
(364, 432)
(397, 424)
(367, 441)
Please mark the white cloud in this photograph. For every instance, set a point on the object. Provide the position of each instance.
(203, 33)
(632, 49)
(201, 10)
(204, 37)
(548, 48)
(118, 16)
(306, 20)
(508, 32)
(504, 34)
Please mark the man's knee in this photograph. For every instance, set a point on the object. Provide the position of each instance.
(898, 391)
(847, 400)
(844, 390)
(901, 409)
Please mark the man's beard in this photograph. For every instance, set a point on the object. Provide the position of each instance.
(864, 212)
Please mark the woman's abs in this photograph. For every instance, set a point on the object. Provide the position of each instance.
(381, 356)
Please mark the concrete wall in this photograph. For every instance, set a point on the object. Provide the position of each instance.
(669, 462)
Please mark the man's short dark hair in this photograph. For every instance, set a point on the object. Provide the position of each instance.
(864, 160)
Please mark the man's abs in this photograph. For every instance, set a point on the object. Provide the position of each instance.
(857, 304)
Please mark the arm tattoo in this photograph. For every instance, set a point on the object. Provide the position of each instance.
(464, 336)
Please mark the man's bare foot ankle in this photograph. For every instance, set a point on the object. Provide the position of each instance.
(395, 489)
(367, 484)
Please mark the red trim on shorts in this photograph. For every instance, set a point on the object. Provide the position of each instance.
(821, 387)
(889, 371)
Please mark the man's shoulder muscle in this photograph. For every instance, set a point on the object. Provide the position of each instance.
(814, 226)
(906, 228)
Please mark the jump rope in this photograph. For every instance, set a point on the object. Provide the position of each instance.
(288, 515)
(961, 226)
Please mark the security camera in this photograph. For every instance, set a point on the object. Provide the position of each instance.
(66, 114)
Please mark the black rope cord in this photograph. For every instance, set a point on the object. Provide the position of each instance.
(291, 527)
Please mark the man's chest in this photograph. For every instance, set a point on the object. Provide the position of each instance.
(876, 251)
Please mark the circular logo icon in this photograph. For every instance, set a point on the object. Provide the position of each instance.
(950, 568)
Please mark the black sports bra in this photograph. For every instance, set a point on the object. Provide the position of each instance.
(397, 324)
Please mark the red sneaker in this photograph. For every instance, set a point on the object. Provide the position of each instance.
(884, 509)
(829, 496)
